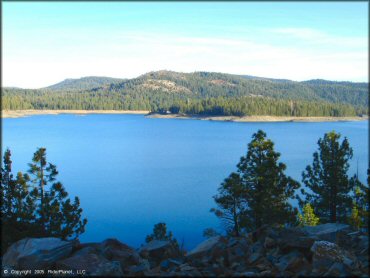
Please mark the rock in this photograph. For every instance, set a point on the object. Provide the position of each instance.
(337, 270)
(159, 250)
(204, 247)
(293, 262)
(37, 253)
(256, 251)
(169, 264)
(139, 269)
(325, 254)
(114, 250)
(328, 232)
(269, 243)
(294, 238)
(90, 260)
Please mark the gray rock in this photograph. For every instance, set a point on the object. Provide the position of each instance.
(114, 250)
(328, 231)
(159, 250)
(204, 247)
(140, 269)
(325, 254)
(90, 260)
(295, 238)
(336, 270)
(37, 253)
(293, 262)
(269, 243)
(169, 264)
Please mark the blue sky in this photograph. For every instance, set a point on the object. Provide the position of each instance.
(44, 43)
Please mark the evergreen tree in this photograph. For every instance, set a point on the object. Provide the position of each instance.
(160, 233)
(231, 204)
(267, 188)
(259, 193)
(56, 215)
(16, 205)
(327, 179)
(360, 204)
(308, 218)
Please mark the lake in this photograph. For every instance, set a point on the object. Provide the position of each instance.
(132, 172)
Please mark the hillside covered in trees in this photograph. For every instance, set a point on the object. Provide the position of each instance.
(198, 93)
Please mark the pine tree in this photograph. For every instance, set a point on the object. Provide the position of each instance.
(56, 215)
(16, 205)
(360, 204)
(327, 179)
(308, 218)
(231, 204)
(265, 188)
(160, 233)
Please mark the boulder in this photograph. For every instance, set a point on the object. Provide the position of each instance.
(325, 254)
(204, 247)
(140, 269)
(37, 253)
(295, 239)
(92, 261)
(114, 250)
(327, 232)
(293, 262)
(169, 264)
(159, 250)
(210, 249)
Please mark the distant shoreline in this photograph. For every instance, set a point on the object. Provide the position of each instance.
(257, 118)
(25, 113)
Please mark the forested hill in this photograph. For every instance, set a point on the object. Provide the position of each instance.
(198, 93)
(84, 83)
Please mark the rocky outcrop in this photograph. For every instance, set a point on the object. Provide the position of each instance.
(36, 253)
(324, 250)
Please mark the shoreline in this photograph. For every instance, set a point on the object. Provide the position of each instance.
(257, 118)
(25, 113)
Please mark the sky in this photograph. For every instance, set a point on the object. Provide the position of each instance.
(46, 42)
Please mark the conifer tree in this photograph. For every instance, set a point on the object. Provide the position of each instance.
(267, 188)
(327, 179)
(56, 214)
(231, 204)
(16, 205)
(360, 204)
(308, 217)
(160, 233)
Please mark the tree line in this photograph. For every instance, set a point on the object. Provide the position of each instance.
(163, 102)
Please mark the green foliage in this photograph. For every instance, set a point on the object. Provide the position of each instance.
(267, 188)
(327, 179)
(58, 216)
(16, 205)
(84, 83)
(359, 218)
(209, 232)
(355, 218)
(259, 193)
(42, 211)
(231, 203)
(199, 93)
(160, 233)
(308, 218)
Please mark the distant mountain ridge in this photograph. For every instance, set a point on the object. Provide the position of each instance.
(84, 83)
(198, 93)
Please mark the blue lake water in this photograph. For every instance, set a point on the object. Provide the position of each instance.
(132, 172)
